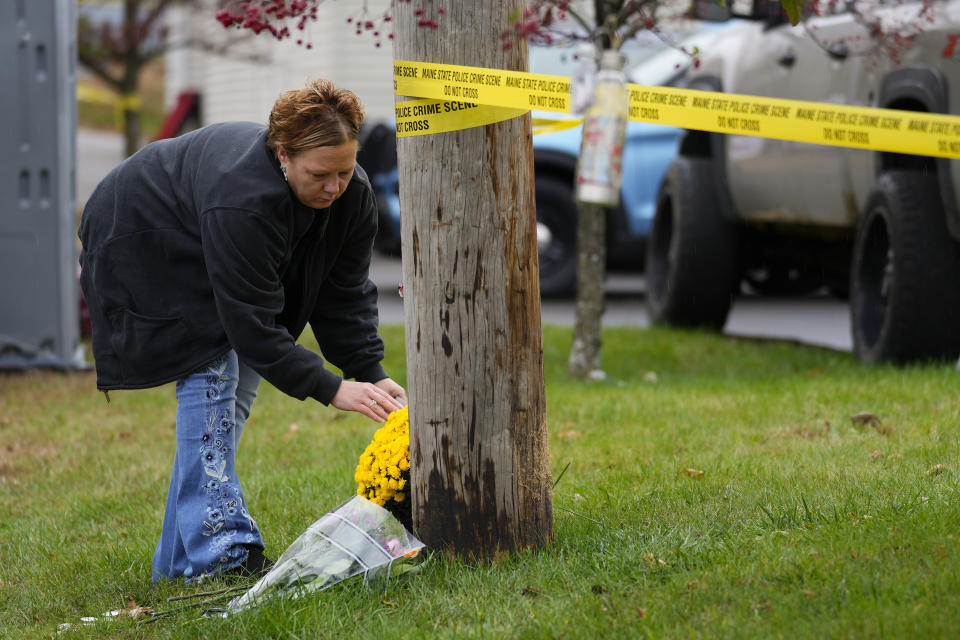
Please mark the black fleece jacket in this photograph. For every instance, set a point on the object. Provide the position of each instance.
(196, 245)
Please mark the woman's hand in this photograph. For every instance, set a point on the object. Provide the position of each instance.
(366, 398)
(395, 390)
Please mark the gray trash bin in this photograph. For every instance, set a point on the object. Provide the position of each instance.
(39, 295)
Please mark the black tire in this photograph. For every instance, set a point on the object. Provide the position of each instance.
(556, 236)
(904, 294)
(692, 269)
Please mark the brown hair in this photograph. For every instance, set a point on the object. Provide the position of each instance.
(319, 115)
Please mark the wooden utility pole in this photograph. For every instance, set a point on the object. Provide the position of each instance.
(480, 478)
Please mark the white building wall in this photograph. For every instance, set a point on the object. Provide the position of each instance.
(233, 87)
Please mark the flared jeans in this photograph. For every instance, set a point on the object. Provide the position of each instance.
(207, 528)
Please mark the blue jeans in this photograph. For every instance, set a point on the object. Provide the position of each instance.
(206, 526)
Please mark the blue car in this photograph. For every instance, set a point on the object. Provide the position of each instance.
(649, 149)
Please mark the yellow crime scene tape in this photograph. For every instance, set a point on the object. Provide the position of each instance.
(120, 103)
(454, 97)
(86, 93)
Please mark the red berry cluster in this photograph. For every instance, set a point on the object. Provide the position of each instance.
(270, 15)
(534, 24)
(424, 20)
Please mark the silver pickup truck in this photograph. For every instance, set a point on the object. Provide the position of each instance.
(781, 217)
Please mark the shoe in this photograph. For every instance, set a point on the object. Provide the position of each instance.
(255, 565)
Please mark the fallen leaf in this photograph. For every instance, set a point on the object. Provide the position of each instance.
(876, 453)
(135, 611)
(292, 431)
(569, 434)
(650, 376)
(693, 584)
(693, 473)
(936, 469)
(642, 611)
(864, 417)
(763, 604)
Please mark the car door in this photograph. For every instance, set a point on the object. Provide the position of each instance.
(782, 181)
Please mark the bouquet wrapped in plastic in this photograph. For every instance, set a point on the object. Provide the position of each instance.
(358, 537)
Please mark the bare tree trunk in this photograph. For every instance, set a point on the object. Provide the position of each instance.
(591, 267)
(131, 125)
(130, 80)
(480, 479)
(591, 274)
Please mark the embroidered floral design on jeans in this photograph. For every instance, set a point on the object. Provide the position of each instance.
(224, 499)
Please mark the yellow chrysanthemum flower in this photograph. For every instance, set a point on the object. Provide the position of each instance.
(384, 467)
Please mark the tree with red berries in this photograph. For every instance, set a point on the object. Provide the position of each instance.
(117, 52)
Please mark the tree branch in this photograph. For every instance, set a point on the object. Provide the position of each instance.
(220, 50)
(100, 70)
(579, 20)
(147, 23)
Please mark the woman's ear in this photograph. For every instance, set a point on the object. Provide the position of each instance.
(281, 154)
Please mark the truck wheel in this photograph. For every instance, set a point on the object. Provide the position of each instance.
(556, 236)
(904, 294)
(692, 269)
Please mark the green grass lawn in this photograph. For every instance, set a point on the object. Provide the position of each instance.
(716, 488)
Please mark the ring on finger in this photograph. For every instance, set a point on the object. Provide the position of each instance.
(373, 403)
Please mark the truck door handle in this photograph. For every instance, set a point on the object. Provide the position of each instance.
(787, 59)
